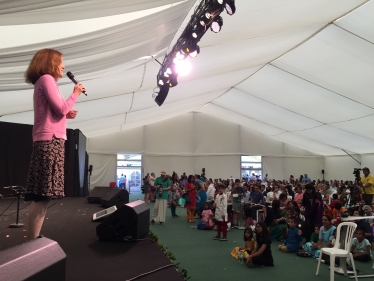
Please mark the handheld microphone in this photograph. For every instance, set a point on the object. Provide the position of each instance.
(72, 78)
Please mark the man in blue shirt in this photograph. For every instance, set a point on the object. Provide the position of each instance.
(306, 179)
(257, 201)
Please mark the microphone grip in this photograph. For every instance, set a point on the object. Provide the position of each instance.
(76, 82)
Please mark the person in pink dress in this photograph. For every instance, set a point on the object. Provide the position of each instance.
(191, 206)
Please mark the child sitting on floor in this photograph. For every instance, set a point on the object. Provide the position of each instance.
(315, 235)
(206, 222)
(249, 244)
(361, 247)
(293, 237)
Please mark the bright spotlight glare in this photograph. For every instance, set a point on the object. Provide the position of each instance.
(228, 9)
(215, 27)
(183, 67)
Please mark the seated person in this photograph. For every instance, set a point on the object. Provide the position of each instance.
(283, 199)
(334, 200)
(368, 213)
(274, 194)
(338, 211)
(324, 239)
(365, 226)
(256, 203)
(263, 255)
(293, 237)
(361, 247)
(249, 246)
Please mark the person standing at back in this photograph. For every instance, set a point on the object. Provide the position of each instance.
(367, 185)
(45, 178)
(163, 186)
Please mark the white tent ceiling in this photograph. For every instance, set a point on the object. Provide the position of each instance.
(300, 72)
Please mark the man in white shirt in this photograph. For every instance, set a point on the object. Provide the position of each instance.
(210, 191)
(273, 195)
(253, 177)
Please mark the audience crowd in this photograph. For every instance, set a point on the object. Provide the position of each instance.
(301, 213)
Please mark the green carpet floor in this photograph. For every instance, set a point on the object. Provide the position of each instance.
(208, 259)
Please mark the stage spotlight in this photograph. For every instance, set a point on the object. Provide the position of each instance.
(161, 95)
(204, 20)
(230, 7)
(183, 68)
(188, 47)
(216, 25)
(198, 31)
(173, 80)
(195, 53)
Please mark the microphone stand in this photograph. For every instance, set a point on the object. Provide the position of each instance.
(18, 193)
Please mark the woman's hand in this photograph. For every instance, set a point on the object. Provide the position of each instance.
(79, 88)
(71, 114)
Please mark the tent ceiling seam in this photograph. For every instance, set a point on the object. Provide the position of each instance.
(354, 34)
(308, 81)
(251, 119)
(279, 106)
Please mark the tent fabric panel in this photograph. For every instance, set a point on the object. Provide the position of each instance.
(273, 85)
(170, 136)
(214, 136)
(266, 112)
(36, 11)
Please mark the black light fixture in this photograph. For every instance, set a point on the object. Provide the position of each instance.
(189, 46)
(230, 7)
(198, 31)
(195, 53)
(216, 25)
(161, 95)
(206, 15)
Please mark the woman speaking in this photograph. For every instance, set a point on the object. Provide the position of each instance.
(45, 178)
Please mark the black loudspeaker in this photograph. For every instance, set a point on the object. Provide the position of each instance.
(323, 171)
(98, 192)
(129, 222)
(76, 164)
(203, 170)
(115, 197)
(37, 260)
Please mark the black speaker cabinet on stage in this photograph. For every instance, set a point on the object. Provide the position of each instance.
(38, 260)
(115, 197)
(130, 221)
(76, 166)
(97, 192)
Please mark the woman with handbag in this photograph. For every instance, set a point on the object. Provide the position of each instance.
(190, 197)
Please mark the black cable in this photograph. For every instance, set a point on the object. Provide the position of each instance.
(150, 272)
(135, 240)
(8, 206)
(15, 211)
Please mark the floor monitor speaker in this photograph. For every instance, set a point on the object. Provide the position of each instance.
(98, 192)
(39, 259)
(115, 197)
(129, 222)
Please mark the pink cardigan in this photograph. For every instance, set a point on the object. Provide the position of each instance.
(50, 109)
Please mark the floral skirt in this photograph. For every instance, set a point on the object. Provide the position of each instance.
(45, 178)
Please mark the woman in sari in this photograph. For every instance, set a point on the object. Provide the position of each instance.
(298, 195)
(324, 240)
(275, 221)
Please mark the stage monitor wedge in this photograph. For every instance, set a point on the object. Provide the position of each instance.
(129, 222)
(41, 259)
(115, 197)
(97, 192)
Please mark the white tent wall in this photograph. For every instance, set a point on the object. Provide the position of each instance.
(282, 167)
(216, 166)
(192, 141)
(341, 167)
(104, 169)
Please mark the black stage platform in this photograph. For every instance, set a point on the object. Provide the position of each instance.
(69, 223)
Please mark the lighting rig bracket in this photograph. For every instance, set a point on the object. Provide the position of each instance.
(205, 16)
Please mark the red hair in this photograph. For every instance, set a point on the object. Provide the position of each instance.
(45, 61)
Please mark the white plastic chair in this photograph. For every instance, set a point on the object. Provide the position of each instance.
(336, 251)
